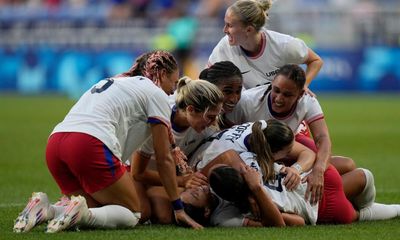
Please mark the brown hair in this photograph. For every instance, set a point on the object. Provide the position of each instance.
(265, 142)
(150, 65)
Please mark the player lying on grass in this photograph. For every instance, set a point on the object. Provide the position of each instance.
(277, 140)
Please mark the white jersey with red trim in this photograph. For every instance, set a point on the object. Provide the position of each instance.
(277, 50)
(118, 111)
(286, 201)
(228, 215)
(254, 106)
(235, 138)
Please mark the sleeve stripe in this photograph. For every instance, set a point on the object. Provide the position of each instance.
(318, 117)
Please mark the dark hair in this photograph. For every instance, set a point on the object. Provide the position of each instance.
(265, 142)
(220, 72)
(295, 73)
(229, 185)
(196, 213)
(150, 65)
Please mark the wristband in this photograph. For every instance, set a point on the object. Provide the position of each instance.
(177, 204)
(297, 167)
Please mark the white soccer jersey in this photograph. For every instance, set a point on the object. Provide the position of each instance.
(286, 201)
(234, 138)
(188, 140)
(118, 112)
(277, 50)
(250, 108)
(226, 214)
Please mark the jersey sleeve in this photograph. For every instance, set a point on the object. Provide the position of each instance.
(218, 54)
(314, 110)
(295, 51)
(158, 109)
(147, 147)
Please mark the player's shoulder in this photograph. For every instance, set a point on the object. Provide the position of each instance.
(307, 98)
(254, 92)
(278, 37)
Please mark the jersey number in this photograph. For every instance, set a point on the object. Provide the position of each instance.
(106, 85)
(278, 183)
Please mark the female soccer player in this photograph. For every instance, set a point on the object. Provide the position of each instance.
(84, 152)
(284, 100)
(228, 78)
(196, 108)
(258, 52)
(261, 145)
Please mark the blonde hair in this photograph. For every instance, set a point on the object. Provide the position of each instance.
(201, 94)
(252, 12)
(265, 142)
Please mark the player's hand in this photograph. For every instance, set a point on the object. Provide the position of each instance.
(195, 180)
(315, 187)
(183, 219)
(309, 92)
(292, 179)
(251, 176)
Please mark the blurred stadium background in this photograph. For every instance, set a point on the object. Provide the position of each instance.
(64, 46)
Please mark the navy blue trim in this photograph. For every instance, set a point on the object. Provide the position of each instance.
(246, 142)
(108, 155)
(173, 125)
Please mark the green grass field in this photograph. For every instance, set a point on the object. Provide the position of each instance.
(364, 127)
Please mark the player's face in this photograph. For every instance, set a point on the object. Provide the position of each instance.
(168, 81)
(234, 29)
(284, 94)
(197, 197)
(200, 120)
(232, 90)
(283, 153)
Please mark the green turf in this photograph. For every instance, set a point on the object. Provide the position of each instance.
(364, 127)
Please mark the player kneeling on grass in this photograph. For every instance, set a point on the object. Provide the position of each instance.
(84, 152)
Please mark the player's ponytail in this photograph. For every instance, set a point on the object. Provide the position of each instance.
(260, 146)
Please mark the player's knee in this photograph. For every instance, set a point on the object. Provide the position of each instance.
(349, 163)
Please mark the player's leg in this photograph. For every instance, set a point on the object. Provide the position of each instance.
(335, 207)
(38, 209)
(104, 180)
(342, 164)
(359, 187)
(378, 211)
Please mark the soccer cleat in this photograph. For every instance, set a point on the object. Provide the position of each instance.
(75, 211)
(63, 202)
(33, 214)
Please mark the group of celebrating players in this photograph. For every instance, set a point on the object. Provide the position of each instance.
(244, 145)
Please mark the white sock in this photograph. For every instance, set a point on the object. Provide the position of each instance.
(378, 211)
(367, 196)
(111, 217)
(55, 211)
